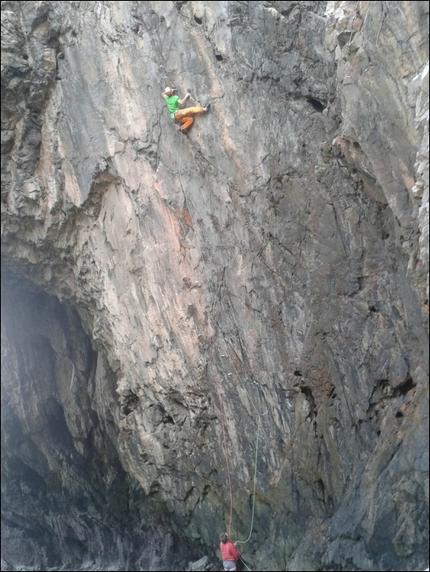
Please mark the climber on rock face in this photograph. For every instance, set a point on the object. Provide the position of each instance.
(184, 117)
(229, 552)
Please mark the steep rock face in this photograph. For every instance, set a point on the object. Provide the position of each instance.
(255, 290)
(66, 494)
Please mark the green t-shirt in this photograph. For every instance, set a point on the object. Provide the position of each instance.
(172, 104)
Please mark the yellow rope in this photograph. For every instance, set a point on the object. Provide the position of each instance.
(222, 422)
(256, 448)
(227, 463)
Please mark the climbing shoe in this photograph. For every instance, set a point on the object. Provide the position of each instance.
(207, 107)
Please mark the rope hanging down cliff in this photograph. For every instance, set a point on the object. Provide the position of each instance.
(256, 449)
(184, 118)
(224, 447)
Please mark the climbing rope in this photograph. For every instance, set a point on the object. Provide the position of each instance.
(256, 449)
(227, 463)
(181, 135)
(244, 563)
(255, 481)
(222, 418)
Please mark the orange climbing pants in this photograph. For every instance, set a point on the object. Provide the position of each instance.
(184, 116)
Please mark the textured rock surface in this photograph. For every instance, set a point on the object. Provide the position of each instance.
(168, 298)
(66, 494)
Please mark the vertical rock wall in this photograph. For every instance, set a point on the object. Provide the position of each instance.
(256, 289)
(67, 501)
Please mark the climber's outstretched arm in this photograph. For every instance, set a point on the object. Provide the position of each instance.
(184, 99)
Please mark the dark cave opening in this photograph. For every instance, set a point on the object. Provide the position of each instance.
(317, 105)
(60, 458)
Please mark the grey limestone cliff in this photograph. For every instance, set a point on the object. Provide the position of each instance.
(226, 329)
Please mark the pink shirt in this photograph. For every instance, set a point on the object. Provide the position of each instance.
(229, 551)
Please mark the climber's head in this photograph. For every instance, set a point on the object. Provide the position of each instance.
(168, 91)
(223, 537)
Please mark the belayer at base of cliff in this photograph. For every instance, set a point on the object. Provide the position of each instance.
(184, 117)
(229, 552)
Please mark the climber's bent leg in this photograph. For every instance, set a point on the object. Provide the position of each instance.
(186, 123)
(188, 111)
(184, 116)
